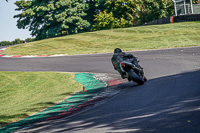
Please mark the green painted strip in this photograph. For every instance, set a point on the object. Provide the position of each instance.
(89, 82)
(93, 87)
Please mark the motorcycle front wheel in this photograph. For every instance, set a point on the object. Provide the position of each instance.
(134, 77)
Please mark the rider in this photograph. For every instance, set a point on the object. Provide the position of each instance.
(117, 58)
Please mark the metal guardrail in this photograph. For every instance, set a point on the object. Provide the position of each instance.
(175, 19)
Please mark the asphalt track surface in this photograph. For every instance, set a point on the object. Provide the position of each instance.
(168, 103)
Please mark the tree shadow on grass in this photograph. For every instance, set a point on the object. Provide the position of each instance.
(53, 111)
(67, 94)
(165, 104)
(4, 118)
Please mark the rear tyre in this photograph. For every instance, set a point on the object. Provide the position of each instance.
(134, 77)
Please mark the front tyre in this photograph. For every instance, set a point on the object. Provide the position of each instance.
(134, 77)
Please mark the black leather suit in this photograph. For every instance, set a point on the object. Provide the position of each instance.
(117, 58)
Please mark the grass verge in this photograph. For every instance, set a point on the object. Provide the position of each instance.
(25, 93)
(184, 34)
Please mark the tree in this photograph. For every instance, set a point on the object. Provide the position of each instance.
(94, 7)
(126, 9)
(51, 18)
(155, 9)
(128, 13)
(118, 14)
(18, 41)
(30, 39)
(5, 43)
(107, 21)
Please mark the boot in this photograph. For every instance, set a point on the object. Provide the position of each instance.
(123, 75)
(145, 79)
(129, 79)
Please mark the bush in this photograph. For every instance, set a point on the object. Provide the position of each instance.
(5, 43)
(107, 21)
(16, 41)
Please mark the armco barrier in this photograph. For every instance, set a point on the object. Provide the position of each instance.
(184, 18)
(175, 19)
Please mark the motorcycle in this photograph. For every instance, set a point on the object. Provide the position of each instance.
(133, 71)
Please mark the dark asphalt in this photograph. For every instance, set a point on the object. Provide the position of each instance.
(169, 102)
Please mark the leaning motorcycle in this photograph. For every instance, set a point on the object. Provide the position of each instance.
(133, 71)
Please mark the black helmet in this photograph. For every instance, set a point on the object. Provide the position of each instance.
(117, 50)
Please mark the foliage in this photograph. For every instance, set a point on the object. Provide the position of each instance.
(155, 9)
(118, 13)
(30, 39)
(16, 41)
(195, 1)
(107, 21)
(5, 43)
(94, 6)
(132, 12)
(126, 9)
(51, 18)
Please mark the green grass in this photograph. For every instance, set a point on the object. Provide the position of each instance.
(25, 93)
(136, 38)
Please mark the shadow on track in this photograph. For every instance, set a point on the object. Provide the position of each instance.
(165, 104)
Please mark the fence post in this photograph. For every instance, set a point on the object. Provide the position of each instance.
(175, 9)
(191, 6)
